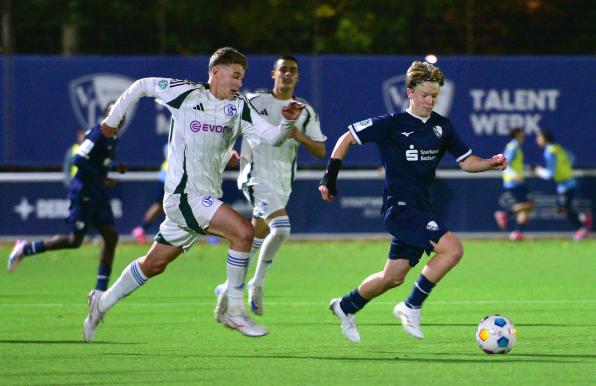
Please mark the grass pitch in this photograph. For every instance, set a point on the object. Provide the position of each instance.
(165, 332)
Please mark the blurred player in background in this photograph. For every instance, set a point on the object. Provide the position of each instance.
(513, 182)
(559, 167)
(411, 144)
(207, 119)
(156, 209)
(267, 172)
(89, 204)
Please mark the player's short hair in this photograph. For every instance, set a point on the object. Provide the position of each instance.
(420, 72)
(227, 55)
(515, 131)
(285, 57)
(547, 134)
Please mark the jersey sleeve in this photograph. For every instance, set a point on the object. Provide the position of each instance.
(373, 129)
(171, 92)
(257, 130)
(455, 146)
(312, 125)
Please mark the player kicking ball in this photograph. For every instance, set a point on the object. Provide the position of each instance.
(411, 145)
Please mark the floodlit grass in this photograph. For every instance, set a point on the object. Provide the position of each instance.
(165, 332)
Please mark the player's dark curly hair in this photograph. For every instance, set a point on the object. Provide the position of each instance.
(227, 55)
(514, 132)
(548, 135)
(420, 72)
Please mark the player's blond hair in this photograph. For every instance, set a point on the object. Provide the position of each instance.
(227, 55)
(420, 72)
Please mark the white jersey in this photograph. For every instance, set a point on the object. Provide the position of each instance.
(202, 132)
(275, 166)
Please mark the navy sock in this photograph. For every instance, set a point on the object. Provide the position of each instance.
(520, 227)
(34, 248)
(103, 277)
(352, 302)
(146, 225)
(420, 292)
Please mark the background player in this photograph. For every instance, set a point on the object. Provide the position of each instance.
(207, 120)
(559, 167)
(267, 172)
(513, 182)
(89, 204)
(411, 144)
(156, 209)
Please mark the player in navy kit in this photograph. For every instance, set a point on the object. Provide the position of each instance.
(411, 145)
(89, 205)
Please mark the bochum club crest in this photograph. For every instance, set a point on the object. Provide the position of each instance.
(396, 99)
(90, 94)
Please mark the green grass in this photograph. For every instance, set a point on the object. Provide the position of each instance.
(165, 332)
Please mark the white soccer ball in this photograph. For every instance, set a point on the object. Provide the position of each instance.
(496, 334)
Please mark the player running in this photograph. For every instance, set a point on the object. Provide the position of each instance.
(207, 118)
(559, 167)
(513, 182)
(267, 172)
(89, 204)
(411, 144)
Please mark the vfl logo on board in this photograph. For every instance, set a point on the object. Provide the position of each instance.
(90, 94)
(396, 99)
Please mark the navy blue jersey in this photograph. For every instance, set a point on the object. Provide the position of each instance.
(410, 151)
(93, 160)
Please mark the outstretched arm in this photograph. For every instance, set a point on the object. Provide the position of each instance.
(327, 186)
(474, 164)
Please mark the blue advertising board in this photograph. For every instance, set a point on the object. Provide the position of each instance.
(37, 205)
(483, 96)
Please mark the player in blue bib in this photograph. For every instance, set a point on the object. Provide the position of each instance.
(411, 145)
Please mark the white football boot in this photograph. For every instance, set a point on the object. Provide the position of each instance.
(243, 323)
(410, 319)
(94, 317)
(255, 298)
(15, 255)
(221, 292)
(348, 322)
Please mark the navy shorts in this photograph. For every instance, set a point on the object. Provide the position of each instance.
(412, 230)
(519, 194)
(86, 210)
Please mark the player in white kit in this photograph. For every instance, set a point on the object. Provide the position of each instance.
(206, 120)
(267, 172)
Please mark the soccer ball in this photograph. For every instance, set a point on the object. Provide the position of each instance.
(496, 334)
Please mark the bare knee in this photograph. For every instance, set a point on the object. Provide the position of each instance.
(455, 254)
(393, 280)
(74, 241)
(153, 267)
(244, 234)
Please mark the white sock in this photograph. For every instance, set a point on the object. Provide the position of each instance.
(280, 231)
(237, 264)
(130, 279)
(256, 245)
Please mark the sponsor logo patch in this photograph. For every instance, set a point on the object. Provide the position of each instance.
(432, 226)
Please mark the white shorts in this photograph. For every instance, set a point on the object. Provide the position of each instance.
(187, 216)
(265, 200)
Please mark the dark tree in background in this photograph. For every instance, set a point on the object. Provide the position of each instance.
(195, 27)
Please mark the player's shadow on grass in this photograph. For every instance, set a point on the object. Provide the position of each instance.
(31, 341)
(410, 359)
(475, 324)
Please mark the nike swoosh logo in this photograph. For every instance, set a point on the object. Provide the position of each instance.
(406, 133)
